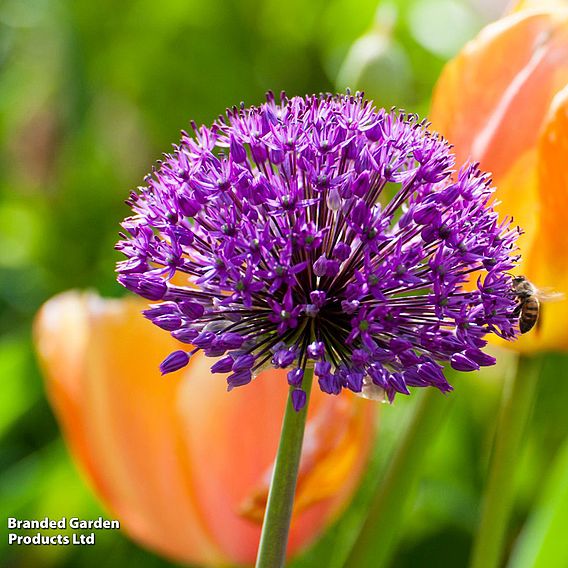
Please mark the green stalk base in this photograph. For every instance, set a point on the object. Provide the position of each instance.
(516, 406)
(274, 537)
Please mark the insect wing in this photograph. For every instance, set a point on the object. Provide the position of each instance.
(549, 295)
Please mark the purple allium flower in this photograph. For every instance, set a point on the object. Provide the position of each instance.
(322, 232)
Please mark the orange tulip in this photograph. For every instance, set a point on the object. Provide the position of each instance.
(182, 463)
(502, 101)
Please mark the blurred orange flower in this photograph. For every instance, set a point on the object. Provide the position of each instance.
(503, 101)
(184, 465)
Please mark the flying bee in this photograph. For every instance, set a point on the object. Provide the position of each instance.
(529, 298)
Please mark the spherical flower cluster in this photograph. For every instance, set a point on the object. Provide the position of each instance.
(322, 232)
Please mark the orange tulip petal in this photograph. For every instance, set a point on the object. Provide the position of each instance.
(330, 464)
(497, 102)
(176, 458)
(117, 419)
(547, 264)
(334, 458)
(553, 184)
(491, 101)
(252, 443)
(240, 428)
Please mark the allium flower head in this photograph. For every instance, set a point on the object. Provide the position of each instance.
(322, 232)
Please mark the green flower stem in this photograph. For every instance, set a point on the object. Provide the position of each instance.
(377, 539)
(274, 537)
(516, 406)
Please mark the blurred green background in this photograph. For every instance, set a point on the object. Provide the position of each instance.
(91, 93)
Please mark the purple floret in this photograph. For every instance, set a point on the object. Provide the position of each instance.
(320, 231)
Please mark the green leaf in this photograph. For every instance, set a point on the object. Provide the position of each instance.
(543, 542)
